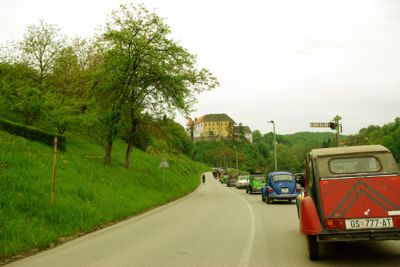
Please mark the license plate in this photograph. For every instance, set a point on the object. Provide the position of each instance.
(369, 223)
(285, 190)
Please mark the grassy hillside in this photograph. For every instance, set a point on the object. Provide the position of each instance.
(88, 193)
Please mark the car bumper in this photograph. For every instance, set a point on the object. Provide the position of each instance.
(283, 197)
(376, 234)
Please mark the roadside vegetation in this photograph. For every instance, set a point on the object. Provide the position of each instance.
(117, 84)
(291, 148)
(111, 99)
(387, 135)
(88, 194)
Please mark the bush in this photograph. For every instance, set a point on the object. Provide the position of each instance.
(32, 133)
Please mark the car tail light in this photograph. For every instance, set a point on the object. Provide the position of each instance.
(270, 190)
(332, 224)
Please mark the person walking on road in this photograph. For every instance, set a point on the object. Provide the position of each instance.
(203, 178)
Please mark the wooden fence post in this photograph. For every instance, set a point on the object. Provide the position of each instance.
(53, 178)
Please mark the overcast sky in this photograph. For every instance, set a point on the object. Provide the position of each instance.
(290, 61)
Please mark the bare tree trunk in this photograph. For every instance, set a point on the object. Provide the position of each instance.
(108, 149)
(128, 155)
(112, 132)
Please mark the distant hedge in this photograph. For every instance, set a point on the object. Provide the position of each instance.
(32, 133)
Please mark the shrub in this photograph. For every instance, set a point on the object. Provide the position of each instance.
(32, 133)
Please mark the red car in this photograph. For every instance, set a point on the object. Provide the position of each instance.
(350, 194)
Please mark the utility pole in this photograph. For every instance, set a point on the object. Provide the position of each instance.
(276, 162)
(338, 127)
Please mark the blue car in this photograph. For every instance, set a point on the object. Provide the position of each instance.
(280, 186)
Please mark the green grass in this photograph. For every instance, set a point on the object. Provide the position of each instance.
(88, 195)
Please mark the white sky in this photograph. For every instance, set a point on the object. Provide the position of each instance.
(290, 61)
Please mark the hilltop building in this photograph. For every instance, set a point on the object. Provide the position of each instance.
(214, 126)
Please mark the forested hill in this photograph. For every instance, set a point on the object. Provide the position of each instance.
(259, 155)
(291, 148)
(310, 138)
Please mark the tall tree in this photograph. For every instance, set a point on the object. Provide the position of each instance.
(231, 131)
(68, 85)
(240, 133)
(19, 92)
(39, 48)
(37, 53)
(147, 71)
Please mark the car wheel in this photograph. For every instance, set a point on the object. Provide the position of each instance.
(313, 248)
(247, 190)
(262, 197)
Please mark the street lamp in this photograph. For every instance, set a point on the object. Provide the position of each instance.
(276, 163)
(237, 164)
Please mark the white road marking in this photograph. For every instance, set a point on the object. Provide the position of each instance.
(244, 261)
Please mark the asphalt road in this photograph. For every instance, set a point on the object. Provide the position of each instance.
(214, 226)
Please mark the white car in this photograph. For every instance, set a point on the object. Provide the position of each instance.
(242, 181)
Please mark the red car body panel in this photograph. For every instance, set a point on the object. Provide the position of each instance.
(309, 219)
(365, 197)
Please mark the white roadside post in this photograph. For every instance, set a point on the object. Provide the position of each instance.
(163, 165)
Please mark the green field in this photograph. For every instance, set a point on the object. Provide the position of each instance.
(88, 194)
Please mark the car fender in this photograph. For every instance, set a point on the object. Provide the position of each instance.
(262, 191)
(309, 219)
(267, 190)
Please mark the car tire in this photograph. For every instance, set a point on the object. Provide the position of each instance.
(262, 197)
(313, 247)
(247, 190)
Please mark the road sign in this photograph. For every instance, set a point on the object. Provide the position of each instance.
(320, 124)
(164, 164)
(334, 125)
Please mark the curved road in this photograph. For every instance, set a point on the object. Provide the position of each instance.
(214, 226)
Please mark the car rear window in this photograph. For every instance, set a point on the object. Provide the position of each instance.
(282, 177)
(354, 165)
